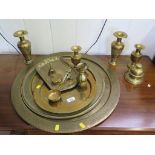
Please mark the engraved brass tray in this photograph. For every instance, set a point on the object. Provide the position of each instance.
(79, 109)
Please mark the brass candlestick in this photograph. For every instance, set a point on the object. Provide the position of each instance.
(117, 47)
(24, 45)
(135, 72)
(82, 75)
(77, 56)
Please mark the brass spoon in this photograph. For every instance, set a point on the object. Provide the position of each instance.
(54, 95)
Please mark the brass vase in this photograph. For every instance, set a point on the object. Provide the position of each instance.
(117, 47)
(24, 45)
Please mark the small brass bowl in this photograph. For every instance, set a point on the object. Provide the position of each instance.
(54, 95)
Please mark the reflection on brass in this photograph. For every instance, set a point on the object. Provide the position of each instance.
(135, 72)
(64, 106)
(24, 45)
(117, 47)
(54, 95)
(77, 56)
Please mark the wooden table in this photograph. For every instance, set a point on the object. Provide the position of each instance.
(134, 114)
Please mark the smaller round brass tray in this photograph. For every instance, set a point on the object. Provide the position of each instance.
(71, 101)
(78, 109)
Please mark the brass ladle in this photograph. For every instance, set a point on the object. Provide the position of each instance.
(54, 95)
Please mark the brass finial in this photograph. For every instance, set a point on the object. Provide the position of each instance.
(24, 45)
(117, 47)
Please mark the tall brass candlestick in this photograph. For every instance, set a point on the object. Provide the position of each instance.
(77, 56)
(117, 47)
(24, 45)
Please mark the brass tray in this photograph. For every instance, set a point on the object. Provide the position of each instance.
(100, 99)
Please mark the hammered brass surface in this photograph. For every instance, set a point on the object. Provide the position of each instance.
(101, 106)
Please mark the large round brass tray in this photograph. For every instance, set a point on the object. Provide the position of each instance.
(89, 107)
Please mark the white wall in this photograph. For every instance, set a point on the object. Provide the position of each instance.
(55, 35)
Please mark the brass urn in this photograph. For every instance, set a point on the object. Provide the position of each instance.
(117, 47)
(24, 45)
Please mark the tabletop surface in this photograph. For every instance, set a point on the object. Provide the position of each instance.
(135, 111)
